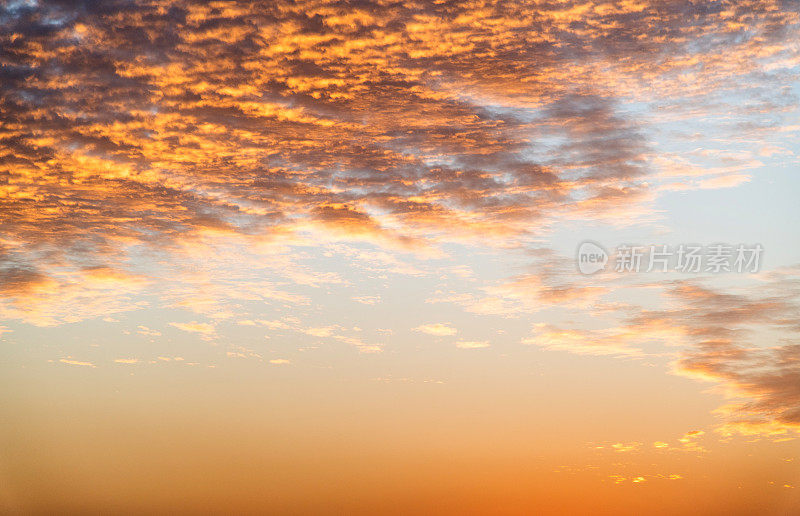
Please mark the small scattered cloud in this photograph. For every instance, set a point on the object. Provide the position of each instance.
(465, 344)
(326, 331)
(71, 361)
(625, 447)
(367, 300)
(195, 327)
(144, 330)
(437, 329)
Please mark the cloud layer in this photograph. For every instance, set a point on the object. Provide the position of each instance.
(154, 124)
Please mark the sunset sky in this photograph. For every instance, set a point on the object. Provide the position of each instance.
(321, 257)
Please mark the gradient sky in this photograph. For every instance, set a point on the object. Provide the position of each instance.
(318, 257)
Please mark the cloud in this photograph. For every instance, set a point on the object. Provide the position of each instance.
(195, 327)
(744, 343)
(76, 362)
(742, 340)
(762, 384)
(144, 330)
(625, 447)
(367, 300)
(553, 282)
(437, 329)
(725, 181)
(198, 124)
(613, 341)
(321, 332)
(469, 344)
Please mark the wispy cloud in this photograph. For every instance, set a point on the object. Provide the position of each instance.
(437, 329)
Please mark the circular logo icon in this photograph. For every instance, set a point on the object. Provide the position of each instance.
(591, 257)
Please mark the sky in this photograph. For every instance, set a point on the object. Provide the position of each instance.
(329, 257)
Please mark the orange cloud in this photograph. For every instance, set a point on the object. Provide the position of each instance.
(406, 126)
